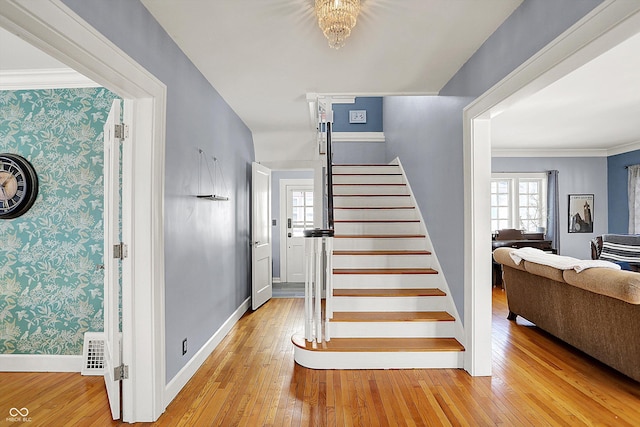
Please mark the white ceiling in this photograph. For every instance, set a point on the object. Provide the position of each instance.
(264, 57)
(596, 107)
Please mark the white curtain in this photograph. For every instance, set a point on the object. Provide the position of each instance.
(634, 199)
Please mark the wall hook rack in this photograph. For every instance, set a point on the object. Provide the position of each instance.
(212, 178)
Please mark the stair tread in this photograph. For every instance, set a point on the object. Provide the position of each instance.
(392, 316)
(381, 252)
(376, 220)
(378, 236)
(374, 207)
(370, 184)
(371, 195)
(424, 292)
(365, 164)
(384, 271)
(380, 344)
(366, 174)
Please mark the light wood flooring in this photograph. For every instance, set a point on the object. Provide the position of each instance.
(251, 379)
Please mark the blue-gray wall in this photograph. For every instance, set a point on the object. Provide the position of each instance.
(617, 185)
(276, 176)
(373, 107)
(360, 152)
(576, 175)
(406, 123)
(207, 262)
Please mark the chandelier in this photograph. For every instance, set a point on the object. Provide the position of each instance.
(336, 18)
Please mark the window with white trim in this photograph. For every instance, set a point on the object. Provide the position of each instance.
(519, 200)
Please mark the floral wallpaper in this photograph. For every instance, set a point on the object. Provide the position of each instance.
(51, 291)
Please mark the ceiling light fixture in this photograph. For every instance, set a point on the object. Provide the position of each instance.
(336, 18)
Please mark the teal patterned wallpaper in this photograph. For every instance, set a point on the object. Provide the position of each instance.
(50, 290)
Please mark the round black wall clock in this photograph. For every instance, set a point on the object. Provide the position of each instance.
(18, 185)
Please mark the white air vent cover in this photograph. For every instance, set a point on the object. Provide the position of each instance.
(93, 354)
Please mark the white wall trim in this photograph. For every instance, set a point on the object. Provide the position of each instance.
(51, 78)
(606, 26)
(40, 363)
(549, 152)
(180, 380)
(624, 148)
(357, 137)
(55, 29)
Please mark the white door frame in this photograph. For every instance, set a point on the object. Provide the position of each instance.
(58, 31)
(284, 183)
(607, 25)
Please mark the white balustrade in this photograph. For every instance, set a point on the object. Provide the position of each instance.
(317, 248)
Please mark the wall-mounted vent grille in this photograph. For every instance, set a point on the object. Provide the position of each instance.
(93, 354)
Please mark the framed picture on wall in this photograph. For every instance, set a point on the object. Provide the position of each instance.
(357, 116)
(580, 213)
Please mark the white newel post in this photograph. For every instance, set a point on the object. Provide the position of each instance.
(317, 248)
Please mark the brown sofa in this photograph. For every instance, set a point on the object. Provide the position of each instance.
(596, 310)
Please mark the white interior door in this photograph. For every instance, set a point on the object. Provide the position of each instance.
(299, 218)
(261, 280)
(113, 352)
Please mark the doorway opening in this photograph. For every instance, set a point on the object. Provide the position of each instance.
(57, 31)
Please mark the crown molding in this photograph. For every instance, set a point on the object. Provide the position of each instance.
(499, 152)
(51, 78)
(623, 148)
(565, 152)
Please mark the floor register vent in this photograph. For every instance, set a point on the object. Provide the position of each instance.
(93, 354)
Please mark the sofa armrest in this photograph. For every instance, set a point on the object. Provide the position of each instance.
(501, 255)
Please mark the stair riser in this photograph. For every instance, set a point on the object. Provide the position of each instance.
(385, 281)
(392, 329)
(367, 179)
(364, 170)
(383, 244)
(371, 201)
(385, 228)
(382, 261)
(379, 360)
(390, 304)
(339, 190)
(373, 214)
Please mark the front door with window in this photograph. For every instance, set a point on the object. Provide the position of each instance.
(299, 218)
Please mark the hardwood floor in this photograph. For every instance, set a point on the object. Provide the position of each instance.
(251, 379)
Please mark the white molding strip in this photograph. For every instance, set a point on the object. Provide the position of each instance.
(357, 137)
(51, 78)
(587, 152)
(623, 148)
(40, 363)
(180, 380)
(497, 152)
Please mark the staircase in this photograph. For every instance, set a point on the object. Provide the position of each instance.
(390, 306)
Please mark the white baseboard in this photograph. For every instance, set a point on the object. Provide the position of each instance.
(275, 280)
(180, 380)
(40, 363)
